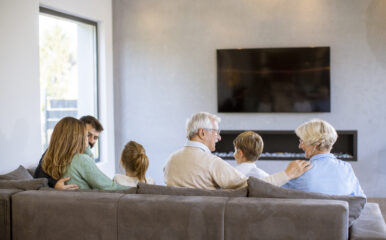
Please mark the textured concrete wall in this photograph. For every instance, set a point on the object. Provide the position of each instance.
(165, 70)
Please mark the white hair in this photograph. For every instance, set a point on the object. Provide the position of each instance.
(200, 120)
(317, 132)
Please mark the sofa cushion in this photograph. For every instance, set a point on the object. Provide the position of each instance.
(144, 188)
(63, 215)
(31, 171)
(259, 188)
(382, 205)
(369, 225)
(132, 190)
(18, 174)
(142, 216)
(300, 219)
(33, 184)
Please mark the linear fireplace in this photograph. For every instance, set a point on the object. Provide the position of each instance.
(283, 145)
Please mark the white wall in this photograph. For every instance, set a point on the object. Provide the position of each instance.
(19, 84)
(165, 70)
(19, 74)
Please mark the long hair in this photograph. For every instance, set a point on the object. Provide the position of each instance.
(134, 158)
(68, 138)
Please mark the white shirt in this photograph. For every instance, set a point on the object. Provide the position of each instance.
(129, 181)
(250, 169)
(194, 166)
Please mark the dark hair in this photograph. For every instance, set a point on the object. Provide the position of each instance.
(250, 143)
(93, 122)
(134, 158)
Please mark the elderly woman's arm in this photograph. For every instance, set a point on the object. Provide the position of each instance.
(294, 169)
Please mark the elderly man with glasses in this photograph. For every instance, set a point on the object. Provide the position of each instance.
(194, 166)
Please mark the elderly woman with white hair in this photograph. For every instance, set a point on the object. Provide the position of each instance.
(329, 175)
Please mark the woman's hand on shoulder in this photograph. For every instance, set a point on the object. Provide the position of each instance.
(297, 168)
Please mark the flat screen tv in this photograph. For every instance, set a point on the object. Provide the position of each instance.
(273, 79)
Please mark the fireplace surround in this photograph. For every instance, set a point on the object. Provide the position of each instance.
(283, 145)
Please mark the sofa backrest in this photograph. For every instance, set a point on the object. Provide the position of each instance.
(171, 217)
(98, 215)
(268, 218)
(64, 215)
(143, 188)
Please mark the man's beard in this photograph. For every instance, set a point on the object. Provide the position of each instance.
(91, 145)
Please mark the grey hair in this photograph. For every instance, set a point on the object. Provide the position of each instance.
(200, 120)
(318, 133)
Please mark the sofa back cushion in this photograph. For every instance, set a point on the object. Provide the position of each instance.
(63, 215)
(259, 188)
(144, 188)
(143, 216)
(18, 174)
(33, 184)
(132, 190)
(300, 219)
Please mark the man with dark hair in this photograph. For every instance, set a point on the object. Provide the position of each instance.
(94, 128)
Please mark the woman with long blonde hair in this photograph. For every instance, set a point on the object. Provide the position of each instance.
(65, 157)
(68, 138)
(135, 162)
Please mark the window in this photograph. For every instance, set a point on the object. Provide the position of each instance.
(68, 70)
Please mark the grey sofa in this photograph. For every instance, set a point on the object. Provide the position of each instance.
(50, 214)
(262, 211)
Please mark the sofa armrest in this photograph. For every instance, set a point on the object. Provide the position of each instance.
(5, 212)
(370, 225)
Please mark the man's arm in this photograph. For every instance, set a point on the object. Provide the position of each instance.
(57, 184)
(60, 185)
(226, 176)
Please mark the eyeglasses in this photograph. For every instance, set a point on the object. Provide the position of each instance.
(214, 130)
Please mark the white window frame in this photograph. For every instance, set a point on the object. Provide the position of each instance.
(100, 12)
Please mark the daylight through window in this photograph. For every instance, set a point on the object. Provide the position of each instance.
(68, 70)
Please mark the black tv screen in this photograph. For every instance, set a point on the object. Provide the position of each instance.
(273, 79)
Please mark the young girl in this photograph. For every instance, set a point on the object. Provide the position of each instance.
(135, 162)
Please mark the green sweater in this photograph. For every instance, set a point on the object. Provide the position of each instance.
(84, 172)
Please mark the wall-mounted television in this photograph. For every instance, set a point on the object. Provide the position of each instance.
(273, 79)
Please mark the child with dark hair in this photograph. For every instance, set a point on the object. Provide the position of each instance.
(135, 162)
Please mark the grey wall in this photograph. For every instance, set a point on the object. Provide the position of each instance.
(165, 70)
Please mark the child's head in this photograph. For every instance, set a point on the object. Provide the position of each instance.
(250, 144)
(134, 159)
